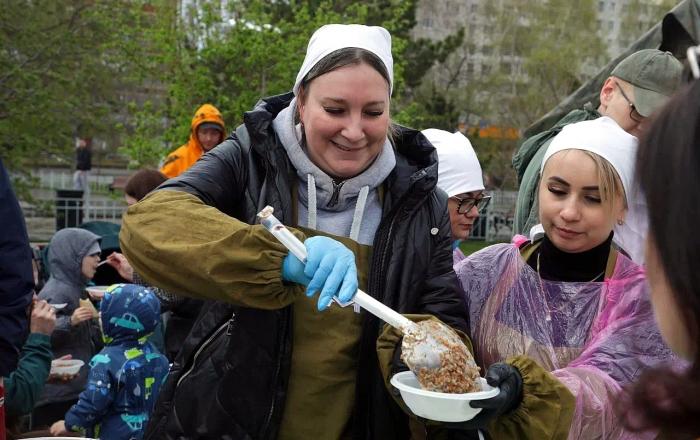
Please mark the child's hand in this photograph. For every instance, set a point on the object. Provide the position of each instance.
(59, 428)
(119, 262)
(80, 314)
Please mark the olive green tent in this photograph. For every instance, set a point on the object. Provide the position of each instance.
(678, 30)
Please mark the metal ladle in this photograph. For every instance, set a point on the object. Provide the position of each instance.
(426, 345)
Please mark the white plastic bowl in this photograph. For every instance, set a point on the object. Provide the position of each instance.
(443, 407)
(96, 292)
(66, 366)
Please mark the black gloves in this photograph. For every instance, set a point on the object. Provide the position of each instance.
(510, 382)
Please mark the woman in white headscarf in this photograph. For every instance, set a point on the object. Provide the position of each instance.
(460, 176)
(569, 311)
(263, 362)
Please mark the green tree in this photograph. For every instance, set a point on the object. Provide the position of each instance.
(553, 48)
(639, 16)
(63, 64)
(258, 54)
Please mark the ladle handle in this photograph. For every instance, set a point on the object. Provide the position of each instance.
(297, 248)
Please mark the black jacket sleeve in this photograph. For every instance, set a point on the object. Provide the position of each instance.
(441, 292)
(218, 178)
(16, 279)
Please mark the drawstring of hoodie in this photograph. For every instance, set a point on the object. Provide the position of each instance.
(357, 216)
(311, 190)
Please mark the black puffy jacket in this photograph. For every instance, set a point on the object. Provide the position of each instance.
(230, 379)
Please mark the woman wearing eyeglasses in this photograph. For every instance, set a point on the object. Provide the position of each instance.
(459, 175)
(570, 312)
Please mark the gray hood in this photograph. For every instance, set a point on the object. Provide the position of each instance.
(67, 249)
(356, 211)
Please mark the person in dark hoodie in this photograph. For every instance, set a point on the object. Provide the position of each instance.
(126, 375)
(73, 256)
(16, 285)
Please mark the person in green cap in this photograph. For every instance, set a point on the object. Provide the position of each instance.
(637, 87)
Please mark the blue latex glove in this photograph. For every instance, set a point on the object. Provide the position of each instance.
(330, 268)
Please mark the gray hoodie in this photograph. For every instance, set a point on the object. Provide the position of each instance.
(67, 249)
(350, 208)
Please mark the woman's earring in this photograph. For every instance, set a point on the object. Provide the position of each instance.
(620, 222)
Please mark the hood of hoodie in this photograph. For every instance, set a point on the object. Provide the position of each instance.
(128, 312)
(67, 249)
(205, 113)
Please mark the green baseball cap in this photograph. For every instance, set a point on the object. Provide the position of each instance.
(655, 76)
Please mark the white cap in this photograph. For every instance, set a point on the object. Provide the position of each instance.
(458, 167)
(331, 37)
(605, 138)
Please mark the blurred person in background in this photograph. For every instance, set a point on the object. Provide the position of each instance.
(460, 176)
(16, 283)
(668, 164)
(639, 85)
(74, 254)
(207, 131)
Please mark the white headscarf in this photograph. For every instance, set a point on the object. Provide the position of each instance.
(331, 37)
(458, 167)
(605, 138)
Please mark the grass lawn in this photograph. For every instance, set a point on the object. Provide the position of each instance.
(470, 246)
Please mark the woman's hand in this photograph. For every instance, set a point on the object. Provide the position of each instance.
(43, 319)
(330, 268)
(121, 265)
(80, 314)
(59, 428)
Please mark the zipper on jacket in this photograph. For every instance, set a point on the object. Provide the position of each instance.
(225, 326)
(336, 193)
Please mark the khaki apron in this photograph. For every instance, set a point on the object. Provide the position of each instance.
(321, 390)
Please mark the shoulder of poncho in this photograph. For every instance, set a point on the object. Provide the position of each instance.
(487, 256)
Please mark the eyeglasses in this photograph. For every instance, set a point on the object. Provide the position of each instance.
(467, 203)
(634, 114)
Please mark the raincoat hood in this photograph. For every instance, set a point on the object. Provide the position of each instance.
(205, 113)
(182, 158)
(128, 312)
(67, 249)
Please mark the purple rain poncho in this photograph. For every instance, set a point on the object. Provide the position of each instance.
(594, 337)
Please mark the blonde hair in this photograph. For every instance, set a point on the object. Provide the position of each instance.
(609, 183)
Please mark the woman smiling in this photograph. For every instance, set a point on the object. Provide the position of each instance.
(329, 161)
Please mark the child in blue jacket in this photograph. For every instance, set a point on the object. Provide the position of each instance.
(125, 377)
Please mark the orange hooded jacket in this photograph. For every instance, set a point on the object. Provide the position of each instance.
(179, 160)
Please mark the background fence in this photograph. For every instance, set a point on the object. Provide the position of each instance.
(56, 206)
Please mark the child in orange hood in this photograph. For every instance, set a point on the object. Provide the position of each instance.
(208, 130)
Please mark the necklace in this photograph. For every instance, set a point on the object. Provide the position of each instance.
(548, 318)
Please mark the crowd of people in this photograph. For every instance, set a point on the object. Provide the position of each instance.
(588, 321)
